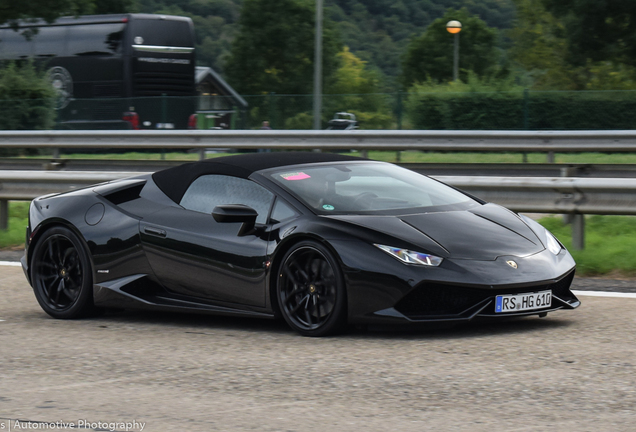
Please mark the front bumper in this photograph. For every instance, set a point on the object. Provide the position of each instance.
(431, 302)
(25, 267)
(381, 289)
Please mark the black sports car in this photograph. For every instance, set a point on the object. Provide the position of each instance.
(319, 239)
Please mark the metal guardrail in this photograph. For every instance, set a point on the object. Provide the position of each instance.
(561, 195)
(448, 169)
(364, 140)
(27, 185)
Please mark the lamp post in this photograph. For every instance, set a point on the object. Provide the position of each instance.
(318, 66)
(454, 27)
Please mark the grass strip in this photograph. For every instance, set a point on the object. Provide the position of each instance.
(609, 244)
(18, 219)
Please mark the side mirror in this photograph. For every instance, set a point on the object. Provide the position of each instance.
(236, 213)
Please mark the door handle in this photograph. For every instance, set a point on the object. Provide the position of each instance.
(154, 231)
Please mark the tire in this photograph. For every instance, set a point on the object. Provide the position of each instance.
(310, 290)
(62, 276)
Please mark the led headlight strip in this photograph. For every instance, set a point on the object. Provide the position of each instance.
(411, 257)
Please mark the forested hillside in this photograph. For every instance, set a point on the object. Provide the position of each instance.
(375, 30)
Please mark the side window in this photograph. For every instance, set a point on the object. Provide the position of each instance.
(282, 211)
(209, 191)
(50, 41)
(16, 46)
(95, 39)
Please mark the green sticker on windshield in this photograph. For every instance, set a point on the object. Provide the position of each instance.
(328, 207)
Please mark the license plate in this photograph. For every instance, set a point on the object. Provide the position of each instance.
(523, 302)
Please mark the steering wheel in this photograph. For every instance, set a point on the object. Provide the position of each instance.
(364, 196)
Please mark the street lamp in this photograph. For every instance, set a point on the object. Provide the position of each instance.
(318, 66)
(454, 27)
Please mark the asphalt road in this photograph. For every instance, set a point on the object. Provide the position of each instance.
(574, 370)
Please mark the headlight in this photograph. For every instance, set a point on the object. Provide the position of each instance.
(411, 257)
(552, 243)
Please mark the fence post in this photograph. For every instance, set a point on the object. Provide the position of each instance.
(398, 153)
(568, 172)
(526, 114)
(525, 120)
(4, 215)
(235, 112)
(164, 118)
(272, 110)
(578, 232)
(399, 110)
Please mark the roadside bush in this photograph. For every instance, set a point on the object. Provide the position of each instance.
(26, 98)
(465, 107)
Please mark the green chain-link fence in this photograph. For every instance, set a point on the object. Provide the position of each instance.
(519, 110)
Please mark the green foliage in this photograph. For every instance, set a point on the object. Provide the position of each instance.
(355, 89)
(539, 48)
(609, 243)
(26, 98)
(430, 56)
(476, 104)
(274, 51)
(112, 6)
(18, 221)
(11, 10)
(611, 76)
(597, 30)
(491, 105)
(575, 44)
(214, 25)
(378, 31)
(303, 120)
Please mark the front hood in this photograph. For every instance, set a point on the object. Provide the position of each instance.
(482, 233)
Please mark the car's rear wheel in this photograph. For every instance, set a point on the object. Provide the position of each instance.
(61, 275)
(311, 291)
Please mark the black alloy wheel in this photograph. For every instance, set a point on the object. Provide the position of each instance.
(61, 275)
(310, 290)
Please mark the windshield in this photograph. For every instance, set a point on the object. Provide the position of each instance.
(367, 188)
(168, 32)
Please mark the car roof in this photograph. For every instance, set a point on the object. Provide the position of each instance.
(175, 181)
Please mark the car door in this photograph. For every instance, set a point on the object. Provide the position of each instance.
(194, 255)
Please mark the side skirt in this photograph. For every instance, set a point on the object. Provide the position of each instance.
(137, 292)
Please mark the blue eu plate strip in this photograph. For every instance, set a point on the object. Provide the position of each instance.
(498, 302)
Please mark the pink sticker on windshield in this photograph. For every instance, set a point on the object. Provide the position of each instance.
(295, 176)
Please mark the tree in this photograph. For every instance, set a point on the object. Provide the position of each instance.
(597, 30)
(274, 48)
(553, 55)
(431, 54)
(26, 100)
(273, 52)
(11, 11)
(539, 48)
(356, 89)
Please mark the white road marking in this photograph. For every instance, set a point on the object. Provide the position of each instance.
(10, 263)
(604, 294)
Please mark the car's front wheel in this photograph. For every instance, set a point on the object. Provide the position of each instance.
(61, 275)
(311, 291)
